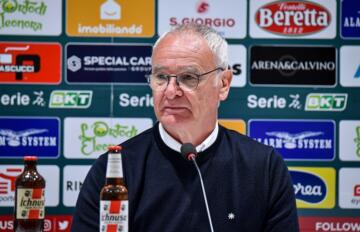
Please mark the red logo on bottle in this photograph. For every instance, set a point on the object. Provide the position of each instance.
(293, 17)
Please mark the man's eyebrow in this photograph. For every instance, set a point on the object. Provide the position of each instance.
(191, 69)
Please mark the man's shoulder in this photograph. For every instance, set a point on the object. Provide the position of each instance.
(244, 141)
(142, 138)
(247, 148)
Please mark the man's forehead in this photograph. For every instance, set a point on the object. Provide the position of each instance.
(175, 49)
(179, 68)
(190, 41)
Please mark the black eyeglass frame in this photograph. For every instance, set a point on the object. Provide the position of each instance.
(178, 83)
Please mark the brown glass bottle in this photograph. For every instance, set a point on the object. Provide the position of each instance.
(114, 203)
(29, 198)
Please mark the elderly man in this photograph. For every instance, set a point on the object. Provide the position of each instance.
(247, 184)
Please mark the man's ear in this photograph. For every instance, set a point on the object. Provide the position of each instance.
(225, 84)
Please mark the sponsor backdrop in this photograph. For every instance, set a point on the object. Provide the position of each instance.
(72, 81)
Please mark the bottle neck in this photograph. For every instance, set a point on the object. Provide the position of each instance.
(115, 181)
(30, 165)
(114, 169)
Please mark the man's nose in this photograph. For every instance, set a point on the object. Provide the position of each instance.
(173, 89)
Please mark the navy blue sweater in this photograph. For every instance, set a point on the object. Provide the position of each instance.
(248, 187)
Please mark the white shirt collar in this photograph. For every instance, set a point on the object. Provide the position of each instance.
(175, 145)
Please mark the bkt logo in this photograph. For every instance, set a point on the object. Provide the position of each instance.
(326, 102)
(74, 99)
(314, 187)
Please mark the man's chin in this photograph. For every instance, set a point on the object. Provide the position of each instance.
(173, 120)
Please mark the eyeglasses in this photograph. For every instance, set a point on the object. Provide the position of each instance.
(187, 81)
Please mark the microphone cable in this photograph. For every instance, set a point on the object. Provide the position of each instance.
(188, 151)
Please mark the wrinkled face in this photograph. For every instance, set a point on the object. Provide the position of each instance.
(174, 107)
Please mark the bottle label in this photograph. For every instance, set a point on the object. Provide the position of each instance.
(114, 166)
(114, 216)
(30, 203)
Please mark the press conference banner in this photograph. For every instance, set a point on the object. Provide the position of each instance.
(73, 81)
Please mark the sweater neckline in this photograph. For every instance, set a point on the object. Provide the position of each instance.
(202, 156)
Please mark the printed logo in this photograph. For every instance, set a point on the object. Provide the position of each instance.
(274, 102)
(350, 66)
(30, 63)
(357, 73)
(34, 98)
(110, 10)
(202, 6)
(314, 192)
(111, 18)
(121, 64)
(349, 188)
(297, 139)
(237, 60)
(73, 99)
(30, 203)
(349, 140)
(211, 13)
(234, 124)
(293, 66)
(114, 215)
(350, 19)
(357, 190)
(25, 17)
(20, 136)
(87, 138)
(74, 176)
(293, 19)
(8, 174)
(314, 187)
(326, 102)
(64, 223)
(329, 224)
(54, 223)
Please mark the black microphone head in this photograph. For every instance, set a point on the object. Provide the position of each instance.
(188, 150)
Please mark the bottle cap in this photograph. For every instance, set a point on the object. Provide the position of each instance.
(30, 158)
(114, 148)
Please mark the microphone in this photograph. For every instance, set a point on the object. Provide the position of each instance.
(189, 153)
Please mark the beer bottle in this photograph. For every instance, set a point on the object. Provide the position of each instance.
(29, 198)
(114, 203)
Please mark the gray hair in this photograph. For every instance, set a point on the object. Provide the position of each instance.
(216, 43)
